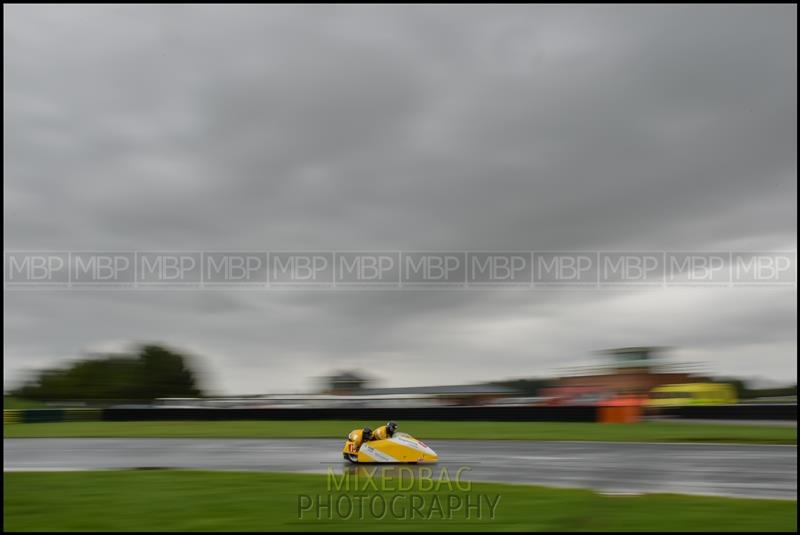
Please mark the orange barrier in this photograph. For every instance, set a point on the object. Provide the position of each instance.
(622, 410)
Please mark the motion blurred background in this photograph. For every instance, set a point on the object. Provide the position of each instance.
(400, 128)
(627, 385)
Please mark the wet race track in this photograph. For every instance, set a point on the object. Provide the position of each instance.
(713, 469)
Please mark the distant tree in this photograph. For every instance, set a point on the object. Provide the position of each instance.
(744, 391)
(155, 372)
(165, 374)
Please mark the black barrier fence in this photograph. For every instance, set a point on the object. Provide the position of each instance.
(500, 414)
(43, 416)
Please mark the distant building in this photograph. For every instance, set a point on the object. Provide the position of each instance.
(345, 383)
(633, 370)
(353, 385)
(634, 359)
(449, 394)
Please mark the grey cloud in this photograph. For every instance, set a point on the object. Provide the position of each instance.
(401, 127)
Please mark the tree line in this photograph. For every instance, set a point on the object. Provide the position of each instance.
(154, 372)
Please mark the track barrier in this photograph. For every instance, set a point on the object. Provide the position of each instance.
(609, 413)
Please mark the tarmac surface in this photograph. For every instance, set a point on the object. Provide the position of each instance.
(614, 467)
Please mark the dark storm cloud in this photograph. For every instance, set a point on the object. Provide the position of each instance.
(386, 127)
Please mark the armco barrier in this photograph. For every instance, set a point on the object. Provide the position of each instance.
(30, 416)
(82, 414)
(500, 414)
(505, 414)
(732, 412)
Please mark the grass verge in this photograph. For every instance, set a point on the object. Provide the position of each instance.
(250, 501)
(641, 432)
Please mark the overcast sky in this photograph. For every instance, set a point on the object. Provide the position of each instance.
(401, 128)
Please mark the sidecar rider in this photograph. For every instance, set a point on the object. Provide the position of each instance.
(359, 436)
(384, 431)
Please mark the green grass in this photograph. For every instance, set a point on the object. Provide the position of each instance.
(10, 402)
(237, 501)
(642, 432)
